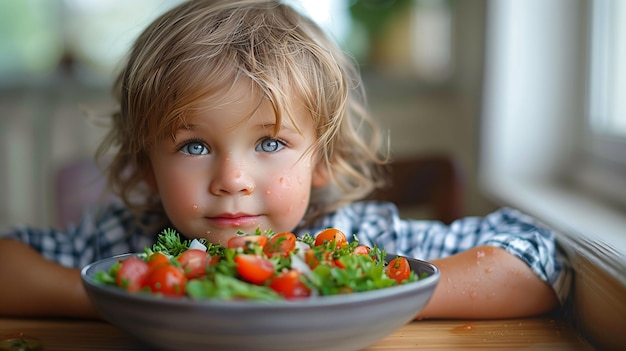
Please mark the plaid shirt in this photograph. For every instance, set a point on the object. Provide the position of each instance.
(113, 230)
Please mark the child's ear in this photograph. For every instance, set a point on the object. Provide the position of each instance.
(321, 175)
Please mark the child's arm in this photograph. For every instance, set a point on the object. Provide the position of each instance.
(43, 265)
(503, 265)
(488, 282)
(35, 286)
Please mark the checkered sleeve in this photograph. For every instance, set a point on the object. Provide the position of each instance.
(376, 223)
(102, 232)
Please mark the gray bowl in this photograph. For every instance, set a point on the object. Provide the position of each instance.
(340, 322)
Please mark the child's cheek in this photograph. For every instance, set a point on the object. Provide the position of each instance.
(289, 189)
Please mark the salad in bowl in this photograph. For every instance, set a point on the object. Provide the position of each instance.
(263, 266)
(260, 291)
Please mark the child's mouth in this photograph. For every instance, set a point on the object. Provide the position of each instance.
(234, 220)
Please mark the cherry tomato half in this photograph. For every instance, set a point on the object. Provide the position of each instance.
(254, 268)
(330, 234)
(167, 279)
(314, 258)
(132, 274)
(194, 263)
(246, 241)
(289, 285)
(361, 250)
(157, 259)
(311, 260)
(280, 244)
(398, 269)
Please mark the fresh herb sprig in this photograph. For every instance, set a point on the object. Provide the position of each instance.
(170, 243)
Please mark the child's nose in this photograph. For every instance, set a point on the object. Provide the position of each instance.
(231, 178)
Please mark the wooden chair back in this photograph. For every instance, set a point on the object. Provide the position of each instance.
(78, 185)
(433, 182)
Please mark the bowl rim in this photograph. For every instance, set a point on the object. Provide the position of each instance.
(87, 276)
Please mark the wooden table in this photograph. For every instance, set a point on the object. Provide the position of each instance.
(535, 333)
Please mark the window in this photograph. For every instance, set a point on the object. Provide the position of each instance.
(607, 77)
(604, 167)
(553, 131)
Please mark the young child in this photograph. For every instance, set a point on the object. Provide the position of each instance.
(237, 115)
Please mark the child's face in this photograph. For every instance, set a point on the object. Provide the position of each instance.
(225, 173)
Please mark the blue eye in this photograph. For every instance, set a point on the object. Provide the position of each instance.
(269, 145)
(194, 148)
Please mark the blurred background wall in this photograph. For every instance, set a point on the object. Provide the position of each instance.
(422, 62)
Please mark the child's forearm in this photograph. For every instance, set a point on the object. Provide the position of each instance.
(34, 286)
(488, 282)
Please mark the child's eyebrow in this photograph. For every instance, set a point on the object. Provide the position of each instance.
(184, 125)
(284, 127)
(287, 127)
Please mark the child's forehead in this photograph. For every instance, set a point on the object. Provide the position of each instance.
(245, 104)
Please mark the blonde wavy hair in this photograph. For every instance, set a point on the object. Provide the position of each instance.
(198, 49)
